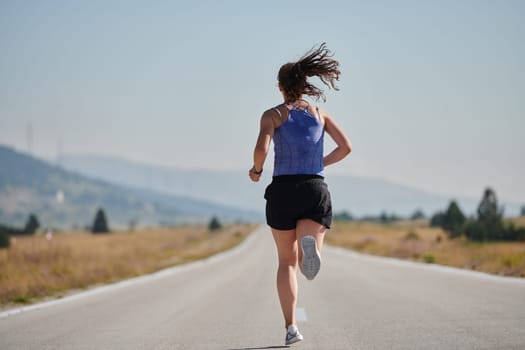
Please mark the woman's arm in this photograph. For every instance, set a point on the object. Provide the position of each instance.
(344, 146)
(262, 146)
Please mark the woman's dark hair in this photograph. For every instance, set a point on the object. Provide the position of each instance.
(316, 62)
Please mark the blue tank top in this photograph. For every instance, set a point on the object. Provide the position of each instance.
(298, 144)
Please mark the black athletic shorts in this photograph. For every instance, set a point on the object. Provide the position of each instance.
(293, 197)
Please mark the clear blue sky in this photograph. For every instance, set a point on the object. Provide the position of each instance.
(432, 92)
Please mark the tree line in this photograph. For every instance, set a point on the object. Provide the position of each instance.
(29, 228)
(486, 225)
(100, 225)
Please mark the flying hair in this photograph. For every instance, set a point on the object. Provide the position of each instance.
(318, 61)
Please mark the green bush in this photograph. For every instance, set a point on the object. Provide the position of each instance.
(11, 231)
(489, 225)
(513, 233)
(429, 258)
(411, 236)
(214, 224)
(437, 219)
(476, 231)
(417, 214)
(452, 220)
(5, 240)
(385, 218)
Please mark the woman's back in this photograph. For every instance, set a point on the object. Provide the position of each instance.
(298, 143)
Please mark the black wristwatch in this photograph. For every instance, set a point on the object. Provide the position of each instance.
(257, 172)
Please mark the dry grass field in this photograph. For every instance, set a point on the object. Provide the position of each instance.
(415, 240)
(35, 267)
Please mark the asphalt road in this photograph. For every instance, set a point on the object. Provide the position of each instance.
(230, 302)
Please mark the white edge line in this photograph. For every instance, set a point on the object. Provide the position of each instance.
(139, 279)
(429, 266)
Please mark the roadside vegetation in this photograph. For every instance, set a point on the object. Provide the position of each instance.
(51, 264)
(416, 240)
(484, 242)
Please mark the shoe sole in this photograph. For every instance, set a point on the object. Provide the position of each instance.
(311, 263)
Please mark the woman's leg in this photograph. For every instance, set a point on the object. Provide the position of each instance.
(307, 227)
(286, 242)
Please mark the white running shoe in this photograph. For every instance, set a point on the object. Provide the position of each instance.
(292, 335)
(311, 263)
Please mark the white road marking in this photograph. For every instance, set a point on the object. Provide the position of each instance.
(300, 314)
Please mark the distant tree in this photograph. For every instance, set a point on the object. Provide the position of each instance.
(10, 230)
(418, 214)
(513, 233)
(476, 231)
(5, 240)
(489, 224)
(488, 211)
(100, 224)
(522, 210)
(30, 227)
(453, 220)
(491, 216)
(437, 219)
(214, 224)
(343, 216)
(32, 224)
(385, 218)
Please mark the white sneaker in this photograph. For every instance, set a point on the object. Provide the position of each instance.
(292, 335)
(311, 263)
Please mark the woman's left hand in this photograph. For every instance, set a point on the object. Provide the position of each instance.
(254, 175)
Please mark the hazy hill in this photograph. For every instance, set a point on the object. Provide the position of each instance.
(63, 198)
(358, 195)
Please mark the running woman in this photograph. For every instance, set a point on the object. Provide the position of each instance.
(298, 206)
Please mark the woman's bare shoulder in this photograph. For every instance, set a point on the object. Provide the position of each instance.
(277, 114)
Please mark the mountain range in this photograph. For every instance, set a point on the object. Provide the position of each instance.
(64, 198)
(67, 193)
(359, 196)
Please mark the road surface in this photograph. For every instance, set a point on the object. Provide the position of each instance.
(230, 302)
